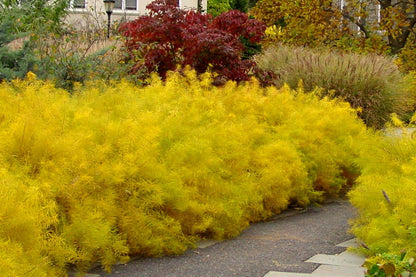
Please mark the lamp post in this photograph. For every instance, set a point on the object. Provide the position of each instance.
(109, 7)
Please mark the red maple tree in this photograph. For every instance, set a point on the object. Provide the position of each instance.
(169, 37)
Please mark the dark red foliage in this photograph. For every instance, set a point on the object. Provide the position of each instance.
(239, 24)
(169, 37)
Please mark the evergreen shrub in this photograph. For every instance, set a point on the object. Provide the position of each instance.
(14, 63)
(114, 170)
(370, 83)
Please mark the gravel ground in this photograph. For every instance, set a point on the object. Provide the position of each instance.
(281, 244)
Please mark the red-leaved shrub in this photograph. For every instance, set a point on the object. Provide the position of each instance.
(169, 37)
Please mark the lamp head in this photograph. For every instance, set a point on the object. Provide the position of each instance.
(109, 5)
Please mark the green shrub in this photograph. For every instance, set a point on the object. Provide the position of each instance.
(390, 265)
(217, 7)
(77, 57)
(368, 82)
(241, 5)
(53, 49)
(115, 170)
(14, 63)
(34, 16)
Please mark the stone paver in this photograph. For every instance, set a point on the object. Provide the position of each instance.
(343, 259)
(349, 243)
(345, 264)
(286, 274)
(338, 271)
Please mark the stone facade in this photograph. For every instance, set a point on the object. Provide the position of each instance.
(87, 13)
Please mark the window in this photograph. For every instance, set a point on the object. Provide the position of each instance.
(78, 4)
(378, 11)
(129, 5)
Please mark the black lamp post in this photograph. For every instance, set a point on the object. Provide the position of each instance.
(109, 7)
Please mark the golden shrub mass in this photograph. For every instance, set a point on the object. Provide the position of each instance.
(385, 195)
(117, 170)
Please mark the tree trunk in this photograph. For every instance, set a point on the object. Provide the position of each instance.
(396, 45)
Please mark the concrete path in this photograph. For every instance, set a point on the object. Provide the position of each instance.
(293, 242)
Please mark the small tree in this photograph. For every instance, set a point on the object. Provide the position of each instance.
(35, 15)
(327, 21)
(169, 37)
(302, 22)
(397, 20)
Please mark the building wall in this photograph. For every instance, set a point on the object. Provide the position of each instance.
(372, 9)
(94, 13)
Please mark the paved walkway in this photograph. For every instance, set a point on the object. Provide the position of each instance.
(293, 244)
(346, 264)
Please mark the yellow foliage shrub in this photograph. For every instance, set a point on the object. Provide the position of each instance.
(117, 170)
(385, 196)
